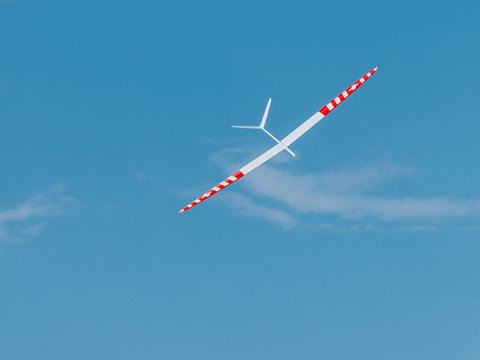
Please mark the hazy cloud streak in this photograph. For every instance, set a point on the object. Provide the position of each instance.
(27, 218)
(244, 206)
(346, 193)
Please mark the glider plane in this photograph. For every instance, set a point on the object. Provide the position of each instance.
(281, 144)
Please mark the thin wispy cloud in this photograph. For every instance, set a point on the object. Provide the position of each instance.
(416, 228)
(347, 195)
(22, 221)
(245, 206)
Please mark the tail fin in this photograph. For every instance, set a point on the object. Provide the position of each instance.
(262, 127)
(265, 114)
(262, 123)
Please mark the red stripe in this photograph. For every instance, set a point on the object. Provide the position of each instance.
(238, 174)
(324, 111)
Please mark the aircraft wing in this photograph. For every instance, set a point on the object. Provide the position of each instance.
(285, 142)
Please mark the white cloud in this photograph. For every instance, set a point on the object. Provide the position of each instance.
(342, 198)
(346, 194)
(244, 206)
(28, 218)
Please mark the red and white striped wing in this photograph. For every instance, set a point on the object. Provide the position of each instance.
(214, 190)
(287, 141)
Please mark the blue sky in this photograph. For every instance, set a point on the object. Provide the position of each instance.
(114, 115)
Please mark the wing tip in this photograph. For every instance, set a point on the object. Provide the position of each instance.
(228, 181)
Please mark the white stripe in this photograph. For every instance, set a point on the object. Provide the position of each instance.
(232, 178)
(337, 100)
(224, 183)
(215, 188)
(329, 106)
(345, 94)
(362, 81)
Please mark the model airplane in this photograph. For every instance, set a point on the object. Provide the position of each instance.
(281, 144)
